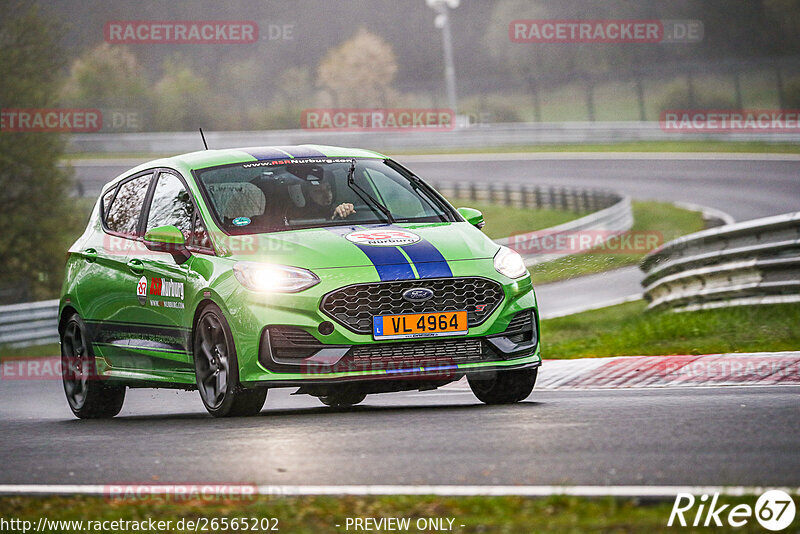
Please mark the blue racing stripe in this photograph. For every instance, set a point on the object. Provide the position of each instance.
(261, 153)
(428, 260)
(388, 261)
(302, 151)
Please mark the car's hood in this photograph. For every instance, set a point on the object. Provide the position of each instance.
(356, 246)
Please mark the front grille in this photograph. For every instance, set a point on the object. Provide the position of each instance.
(415, 354)
(458, 349)
(354, 306)
(521, 321)
(520, 329)
(292, 342)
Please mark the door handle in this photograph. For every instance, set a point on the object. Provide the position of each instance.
(90, 255)
(136, 266)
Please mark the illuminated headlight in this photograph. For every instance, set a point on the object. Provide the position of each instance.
(509, 263)
(273, 278)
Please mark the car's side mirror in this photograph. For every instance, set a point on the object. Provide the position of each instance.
(472, 216)
(167, 239)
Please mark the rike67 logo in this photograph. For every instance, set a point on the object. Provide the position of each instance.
(774, 510)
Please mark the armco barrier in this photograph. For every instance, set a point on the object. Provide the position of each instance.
(752, 262)
(29, 323)
(611, 212)
(34, 323)
(474, 137)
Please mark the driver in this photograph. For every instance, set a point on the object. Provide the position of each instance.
(320, 195)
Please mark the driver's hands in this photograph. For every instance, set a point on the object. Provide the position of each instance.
(343, 211)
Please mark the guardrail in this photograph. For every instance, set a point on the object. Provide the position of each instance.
(611, 212)
(34, 323)
(473, 137)
(752, 262)
(29, 323)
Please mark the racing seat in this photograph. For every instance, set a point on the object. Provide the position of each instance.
(234, 200)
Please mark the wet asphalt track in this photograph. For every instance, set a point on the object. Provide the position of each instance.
(723, 436)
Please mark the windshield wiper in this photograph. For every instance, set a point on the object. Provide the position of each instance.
(351, 181)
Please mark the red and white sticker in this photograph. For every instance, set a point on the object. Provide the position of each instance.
(141, 290)
(383, 238)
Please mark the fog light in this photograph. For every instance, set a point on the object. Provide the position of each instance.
(325, 328)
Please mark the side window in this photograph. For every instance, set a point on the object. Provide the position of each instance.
(200, 235)
(171, 205)
(123, 215)
(107, 198)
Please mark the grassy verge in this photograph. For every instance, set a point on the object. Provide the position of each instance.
(636, 146)
(322, 514)
(503, 221)
(628, 329)
(30, 352)
(661, 217)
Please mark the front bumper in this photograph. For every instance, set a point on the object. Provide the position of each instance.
(294, 357)
(330, 356)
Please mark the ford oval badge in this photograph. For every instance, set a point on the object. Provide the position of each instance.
(417, 294)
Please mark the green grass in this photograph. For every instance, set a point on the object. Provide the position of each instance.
(662, 217)
(628, 330)
(39, 351)
(320, 514)
(503, 221)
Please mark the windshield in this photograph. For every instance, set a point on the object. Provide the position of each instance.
(270, 196)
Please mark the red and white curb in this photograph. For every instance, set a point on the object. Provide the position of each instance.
(706, 370)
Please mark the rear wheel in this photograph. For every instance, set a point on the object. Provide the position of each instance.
(217, 369)
(88, 396)
(505, 387)
(343, 398)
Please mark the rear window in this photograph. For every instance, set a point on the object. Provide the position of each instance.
(122, 217)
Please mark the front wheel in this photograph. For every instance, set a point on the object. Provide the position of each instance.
(217, 369)
(88, 396)
(506, 387)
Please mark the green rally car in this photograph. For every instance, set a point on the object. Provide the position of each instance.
(336, 271)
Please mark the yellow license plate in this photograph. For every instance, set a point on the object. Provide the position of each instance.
(419, 325)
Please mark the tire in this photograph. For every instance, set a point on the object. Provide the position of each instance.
(343, 398)
(88, 395)
(506, 387)
(217, 369)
